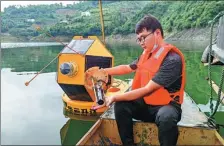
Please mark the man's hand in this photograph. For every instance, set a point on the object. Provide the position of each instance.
(109, 100)
(133, 94)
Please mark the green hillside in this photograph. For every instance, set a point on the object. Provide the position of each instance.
(177, 15)
(120, 17)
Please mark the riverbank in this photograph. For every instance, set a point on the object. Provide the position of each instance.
(194, 34)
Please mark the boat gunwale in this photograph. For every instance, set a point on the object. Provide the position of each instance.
(90, 132)
(101, 120)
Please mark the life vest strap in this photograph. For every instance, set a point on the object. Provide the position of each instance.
(175, 96)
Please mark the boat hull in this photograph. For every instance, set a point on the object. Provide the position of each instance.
(194, 129)
(105, 132)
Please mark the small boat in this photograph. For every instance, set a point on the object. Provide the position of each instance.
(194, 129)
(217, 46)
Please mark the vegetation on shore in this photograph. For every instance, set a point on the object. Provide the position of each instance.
(120, 18)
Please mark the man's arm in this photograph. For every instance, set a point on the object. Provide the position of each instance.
(122, 69)
(137, 93)
(169, 72)
(134, 94)
(119, 70)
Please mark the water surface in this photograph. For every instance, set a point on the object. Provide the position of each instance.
(34, 114)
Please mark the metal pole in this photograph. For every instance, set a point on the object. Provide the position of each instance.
(101, 21)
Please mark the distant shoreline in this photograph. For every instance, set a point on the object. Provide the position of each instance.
(195, 34)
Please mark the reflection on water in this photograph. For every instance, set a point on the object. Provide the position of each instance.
(30, 44)
(34, 114)
(73, 131)
(30, 58)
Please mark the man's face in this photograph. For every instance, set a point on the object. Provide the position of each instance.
(146, 39)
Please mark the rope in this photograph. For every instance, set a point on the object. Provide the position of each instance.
(209, 68)
(118, 83)
(213, 111)
(39, 28)
(221, 100)
(219, 95)
(27, 83)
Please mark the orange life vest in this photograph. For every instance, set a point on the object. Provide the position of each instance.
(147, 68)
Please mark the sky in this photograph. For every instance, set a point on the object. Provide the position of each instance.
(5, 4)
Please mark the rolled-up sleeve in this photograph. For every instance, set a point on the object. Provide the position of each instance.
(133, 65)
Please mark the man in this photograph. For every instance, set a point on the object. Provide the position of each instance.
(157, 88)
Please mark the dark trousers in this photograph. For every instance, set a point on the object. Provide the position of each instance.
(166, 118)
